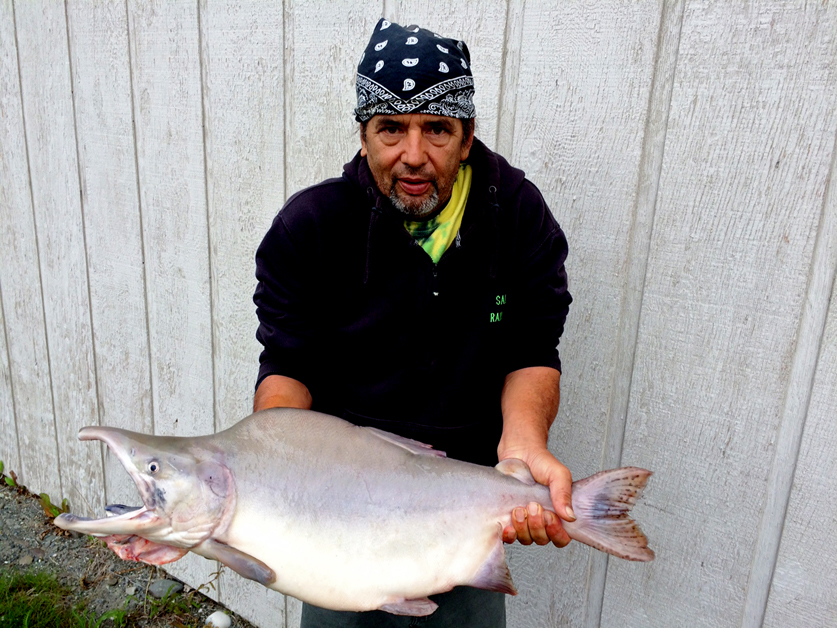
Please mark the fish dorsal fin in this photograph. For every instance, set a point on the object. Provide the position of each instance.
(413, 608)
(413, 446)
(517, 469)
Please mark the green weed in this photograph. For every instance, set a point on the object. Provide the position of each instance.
(11, 479)
(33, 600)
(52, 510)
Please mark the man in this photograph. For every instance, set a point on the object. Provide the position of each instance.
(422, 293)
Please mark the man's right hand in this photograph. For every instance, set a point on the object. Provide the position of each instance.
(278, 391)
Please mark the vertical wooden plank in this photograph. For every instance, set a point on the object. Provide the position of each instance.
(582, 100)
(802, 591)
(50, 135)
(323, 48)
(468, 22)
(293, 612)
(165, 58)
(243, 72)
(797, 402)
(803, 581)
(509, 77)
(748, 149)
(102, 87)
(9, 453)
(21, 284)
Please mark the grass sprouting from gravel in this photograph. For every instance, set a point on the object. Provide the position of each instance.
(38, 600)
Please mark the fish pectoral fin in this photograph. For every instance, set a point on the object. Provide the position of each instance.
(241, 563)
(413, 608)
(413, 446)
(517, 469)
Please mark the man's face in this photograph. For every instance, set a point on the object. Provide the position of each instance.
(415, 159)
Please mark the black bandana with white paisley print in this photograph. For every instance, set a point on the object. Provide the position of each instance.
(413, 70)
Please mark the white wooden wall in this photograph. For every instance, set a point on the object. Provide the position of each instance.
(687, 147)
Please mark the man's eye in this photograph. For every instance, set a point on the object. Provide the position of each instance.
(438, 130)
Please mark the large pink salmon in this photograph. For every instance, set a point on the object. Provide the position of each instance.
(340, 516)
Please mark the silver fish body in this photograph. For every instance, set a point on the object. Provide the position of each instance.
(340, 516)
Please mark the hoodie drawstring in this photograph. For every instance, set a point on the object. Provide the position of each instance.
(373, 218)
(495, 215)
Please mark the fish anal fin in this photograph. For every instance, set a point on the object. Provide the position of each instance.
(412, 608)
(241, 563)
(517, 469)
(413, 446)
(494, 573)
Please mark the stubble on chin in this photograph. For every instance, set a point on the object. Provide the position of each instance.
(416, 210)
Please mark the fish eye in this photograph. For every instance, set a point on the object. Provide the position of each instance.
(153, 467)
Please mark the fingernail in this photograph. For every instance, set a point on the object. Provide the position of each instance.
(570, 512)
(520, 515)
(548, 517)
(533, 509)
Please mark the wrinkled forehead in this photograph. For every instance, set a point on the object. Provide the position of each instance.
(415, 119)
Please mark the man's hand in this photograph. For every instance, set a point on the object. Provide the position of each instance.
(278, 391)
(530, 402)
(533, 524)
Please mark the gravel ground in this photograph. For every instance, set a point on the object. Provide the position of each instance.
(29, 542)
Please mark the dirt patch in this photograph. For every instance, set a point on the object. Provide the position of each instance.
(91, 572)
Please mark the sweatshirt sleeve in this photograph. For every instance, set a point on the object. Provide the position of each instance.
(542, 298)
(283, 306)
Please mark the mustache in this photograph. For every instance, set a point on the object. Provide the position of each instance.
(409, 171)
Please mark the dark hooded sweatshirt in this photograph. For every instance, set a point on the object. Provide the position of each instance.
(353, 308)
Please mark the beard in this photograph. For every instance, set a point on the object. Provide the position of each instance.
(416, 209)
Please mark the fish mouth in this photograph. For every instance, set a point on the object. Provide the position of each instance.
(120, 519)
(131, 522)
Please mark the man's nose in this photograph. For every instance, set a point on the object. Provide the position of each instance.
(414, 153)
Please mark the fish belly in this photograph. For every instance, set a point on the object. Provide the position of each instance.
(363, 565)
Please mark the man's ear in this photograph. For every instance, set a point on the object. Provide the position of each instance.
(363, 148)
(465, 149)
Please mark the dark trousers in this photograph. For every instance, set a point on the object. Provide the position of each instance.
(462, 607)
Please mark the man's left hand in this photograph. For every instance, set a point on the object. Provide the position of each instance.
(533, 524)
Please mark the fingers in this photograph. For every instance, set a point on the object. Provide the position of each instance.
(560, 491)
(555, 531)
(533, 524)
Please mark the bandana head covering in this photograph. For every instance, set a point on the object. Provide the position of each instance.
(413, 70)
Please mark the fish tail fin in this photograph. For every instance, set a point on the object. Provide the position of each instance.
(601, 504)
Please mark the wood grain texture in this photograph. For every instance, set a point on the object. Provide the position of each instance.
(50, 135)
(636, 268)
(20, 289)
(165, 57)
(107, 166)
(582, 106)
(809, 342)
(9, 452)
(803, 581)
(481, 26)
(748, 150)
(242, 54)
(322, 50)
(510, 75)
